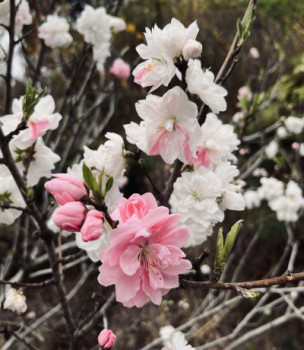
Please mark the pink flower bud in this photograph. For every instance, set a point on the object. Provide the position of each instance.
(70, 216)
(254, 53)
(66, 188)
(121, 69)
(192, 49)
(92, 227)
(295, 146)
(245, 92)
(106, 339)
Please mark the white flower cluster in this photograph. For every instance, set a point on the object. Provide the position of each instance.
(173, 339)
(97, 26)
(30, 154)
(164, 50)
(202, 196)
(287, 202)
(55, 32)
(107, 160)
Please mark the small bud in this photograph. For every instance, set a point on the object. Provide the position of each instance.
(192, 49)
(106, 339)
(92, 227)
(70, 216)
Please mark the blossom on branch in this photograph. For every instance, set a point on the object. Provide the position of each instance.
(217, 143)
(15, 301)
(54, 32)
(169, 127)
(39, 122)
(201, 82)
(106, 339)
(144, 257)
(9, 195)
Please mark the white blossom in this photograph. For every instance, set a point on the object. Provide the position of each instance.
(218, 140)
(156, 72)
(287, 206)
(201, 83)
(272, 149)
(252, 199)
(173, 339)
(271, 188)
(169, 41)
(15, 301)
(169, 126)
(282, 132)
(294, 125)
(54, 32)
(39, 122)
(42, 161)
(231, 196)
(9, 194)
(195, 198)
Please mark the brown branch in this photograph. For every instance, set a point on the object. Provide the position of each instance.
(95, 319)
(23, 284)
(46, 234)
(237, 286)
(10, 56)
(228, 65)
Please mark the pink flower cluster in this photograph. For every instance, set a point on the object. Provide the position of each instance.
(144, 257)
(73, 215)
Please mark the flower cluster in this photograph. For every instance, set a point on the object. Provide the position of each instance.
(287, 202)
(202, 196)
(163, 54)
(97, 26)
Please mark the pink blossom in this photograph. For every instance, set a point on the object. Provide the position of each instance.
(144, 257)
(70, 216)
(92, 227)
(245, 92)
(202, 158)
(121, 69)
(295, 145)
(106, 339)
(66, 188)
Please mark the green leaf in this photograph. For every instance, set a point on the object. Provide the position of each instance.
(220, 252)
(230, 239)
(243, 29)
(240, 29)
(88, 177)
(30, 100)
(109, 184)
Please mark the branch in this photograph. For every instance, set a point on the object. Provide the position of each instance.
(237, 286)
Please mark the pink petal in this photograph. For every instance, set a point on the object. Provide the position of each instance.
(129, 261)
